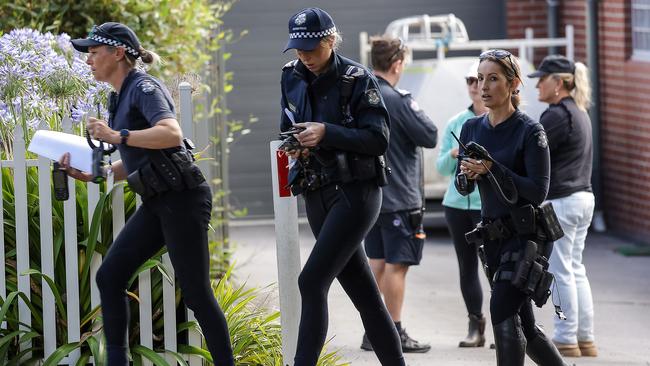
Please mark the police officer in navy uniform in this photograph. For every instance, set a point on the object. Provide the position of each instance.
(513, 180)
(395, 242)
(344, 129)
(177, 202)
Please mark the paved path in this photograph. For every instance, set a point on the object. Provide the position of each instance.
(434, 310)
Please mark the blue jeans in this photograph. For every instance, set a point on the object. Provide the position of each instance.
(575, 213)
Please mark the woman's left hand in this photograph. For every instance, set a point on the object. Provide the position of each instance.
(475, 168)
(98, 129)
(312, 135)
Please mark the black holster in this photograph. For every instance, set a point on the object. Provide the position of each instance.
(166, 171)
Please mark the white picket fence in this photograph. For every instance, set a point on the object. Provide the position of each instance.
(19, 166)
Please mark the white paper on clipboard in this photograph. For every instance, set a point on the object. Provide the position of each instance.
(53, 144)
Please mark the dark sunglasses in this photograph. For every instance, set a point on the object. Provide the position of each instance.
(400, 48)
(470, 80)
(500, 55)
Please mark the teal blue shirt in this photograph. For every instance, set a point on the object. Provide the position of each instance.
(446, 165)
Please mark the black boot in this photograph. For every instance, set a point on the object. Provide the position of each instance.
(510, 342)
(543, 352)
(475, 334)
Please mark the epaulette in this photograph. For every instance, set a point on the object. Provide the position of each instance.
(354, 71)
(403, 92)
(290, 64)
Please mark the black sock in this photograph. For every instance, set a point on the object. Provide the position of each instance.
(116, 355)
(398, 325)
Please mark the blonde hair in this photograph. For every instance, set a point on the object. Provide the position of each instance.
(148, 57)
(511, 69)
(578, 85)
(335, 38)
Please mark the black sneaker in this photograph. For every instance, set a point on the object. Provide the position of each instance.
(410, 345)
(365, 343)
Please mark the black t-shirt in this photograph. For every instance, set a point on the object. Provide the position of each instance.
(569, 139)
(142, 102)
(519, 148)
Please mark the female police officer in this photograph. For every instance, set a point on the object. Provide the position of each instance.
(337, 104)
(177, 201)
(513, 178)
(565, 86)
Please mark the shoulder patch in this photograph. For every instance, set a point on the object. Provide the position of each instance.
(147, 86)
(290, 64)
(354, 71)
(542, 140)
(414, 105)
(403, 92)
(373, 97)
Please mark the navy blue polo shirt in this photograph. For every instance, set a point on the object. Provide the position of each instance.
(142, 102)
(410, 130)
(520, 151)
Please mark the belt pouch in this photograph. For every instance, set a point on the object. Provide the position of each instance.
(523, 266)
(549, 222)
(523, 219)
(343, 167)
(191, 173)
(381, 170)
(542, 292)
(151, 180)
(534, 276)
(136, 184)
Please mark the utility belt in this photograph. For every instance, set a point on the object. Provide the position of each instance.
(528, 221)
(345, 167)
(166, 171)
(530, 274)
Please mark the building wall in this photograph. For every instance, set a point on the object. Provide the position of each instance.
(625, 111)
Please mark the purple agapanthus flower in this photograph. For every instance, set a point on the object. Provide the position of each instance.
(41, 75)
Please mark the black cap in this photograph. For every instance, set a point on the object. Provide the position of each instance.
(307, 27)
(112, 34)
(554, 64)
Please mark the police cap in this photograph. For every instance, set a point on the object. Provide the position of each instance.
(111, 34)
(554, 64)
(307, 27)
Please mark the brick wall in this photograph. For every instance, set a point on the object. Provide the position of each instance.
(625, 107)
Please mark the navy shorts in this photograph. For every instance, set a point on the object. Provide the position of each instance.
(393, 239)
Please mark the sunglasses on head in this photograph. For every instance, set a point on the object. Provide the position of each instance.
(400, 48)
(499, 55)
(470, 80)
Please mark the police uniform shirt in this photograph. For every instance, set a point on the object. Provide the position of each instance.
(520, 150)
(310, 98)
(410, 129)
(570, 144)
(141, 103)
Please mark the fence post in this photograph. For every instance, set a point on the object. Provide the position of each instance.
(47, 252)
(285, 208)
(22, 232)
(187, 125)
(3, 284)
(71, 261)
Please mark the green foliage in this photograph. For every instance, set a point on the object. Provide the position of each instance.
(183, 32)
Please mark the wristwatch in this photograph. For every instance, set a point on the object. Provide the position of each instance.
(124, 136)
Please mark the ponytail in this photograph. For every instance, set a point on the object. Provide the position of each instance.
(581, 92)
(149, 57)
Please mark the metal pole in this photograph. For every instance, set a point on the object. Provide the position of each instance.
(223, 153)
(285, 208)
(551, 24)
(594, 112)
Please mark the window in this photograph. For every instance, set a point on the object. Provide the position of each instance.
(641, 29)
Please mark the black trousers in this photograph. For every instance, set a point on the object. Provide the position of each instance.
(340, 217)
(507, 300)
(460, 222)
(178, 220)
